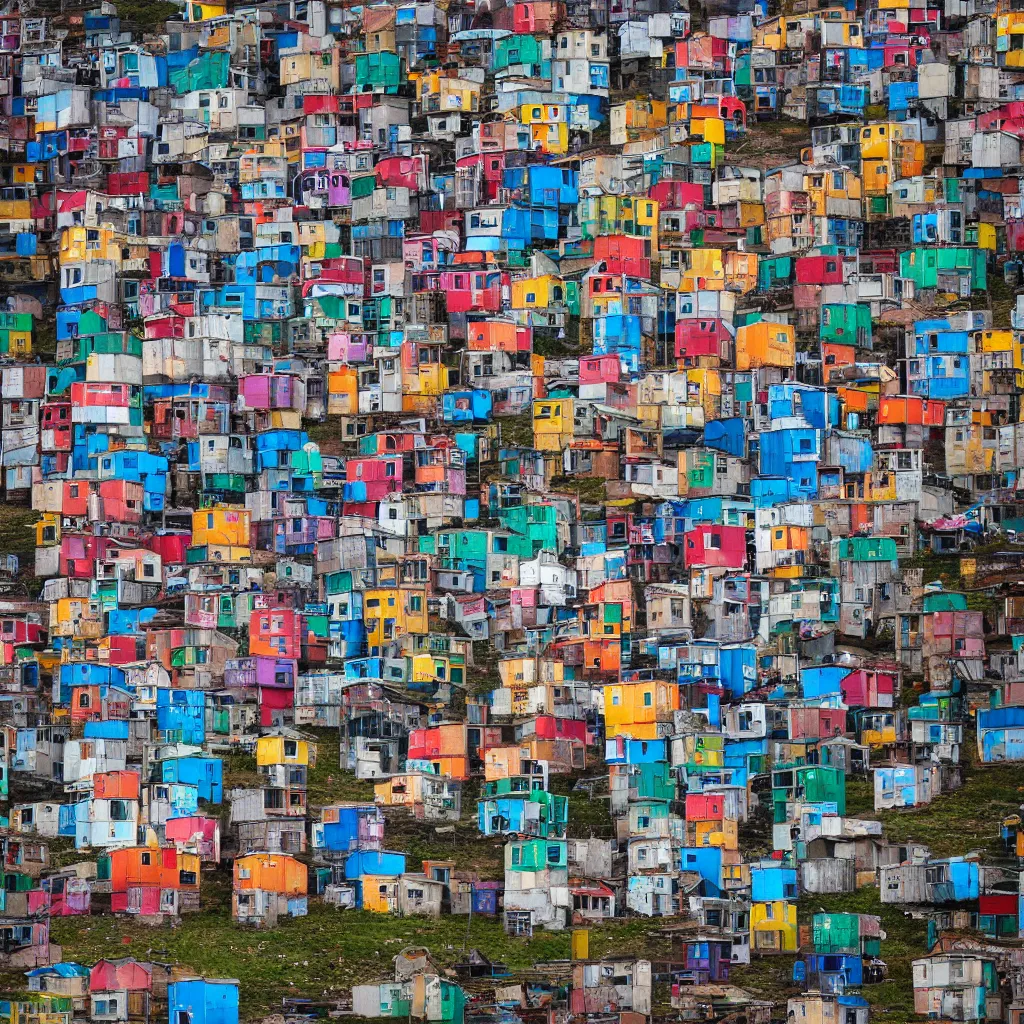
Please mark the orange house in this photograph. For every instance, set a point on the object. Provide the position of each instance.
(116, 785)
(765, 344)
(499, 336)
(834, 356)
(151, 881)
(271, 872)
(602, 655)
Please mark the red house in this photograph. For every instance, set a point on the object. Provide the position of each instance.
(120, 976)
(819, 270)
(55, 424)
(678, 195)
(624, 254)
(380, 477)
(715, 546)
(473, 291)
(702, 336)
(277, 633)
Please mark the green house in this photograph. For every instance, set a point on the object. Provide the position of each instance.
(923, 266)
(944, 601)
(536, 855)
(841, 933)
(537, 523)
(378, 72)
(809, 784)
(867, 549)
(846, 323)
(209, 71)
(652, 781)
(700, 471)
(519, 49)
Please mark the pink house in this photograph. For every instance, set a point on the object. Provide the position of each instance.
(599, 369)
(869, 688)
(816, 723)
(195, 834)
(349, 348)
(267, 390)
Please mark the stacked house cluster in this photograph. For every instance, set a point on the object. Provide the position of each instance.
(590, 430)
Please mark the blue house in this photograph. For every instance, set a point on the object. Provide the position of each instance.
(833, 972)
(822, 680)
(202, 1001)
(85, 674)
(472, 406)
(624, 750)
(819, 408)
(706, 862)
(793, 454)
(738, 668)
(374, 862)
(205, 773)
(182, 714)
(938, 364)
(1001, 734)
(727, 436)
(345, 834)
(772, 881)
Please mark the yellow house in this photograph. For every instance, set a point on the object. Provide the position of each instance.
(971, 447)
(388, 612)
(438, 93)
(831, 183)
(619, 215)
(705, 272)
(741, 268)
(1009, 41)
(284, 750)
(502, 763)
(723, 833)
(222, 525)
(204, 11)
(549, 130)
(773, 927)
(80, 243)
(710, 129)
(380, 893)
(313, 237)
(886, 156)
(16, 209)
(427, 379)
(48, 530)
(635, 709)
(76, 617)
(430, 667)
(318, 65)
(406, 790)
(538, 292)
(635, 120)
(879, 730)
(552, 423)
